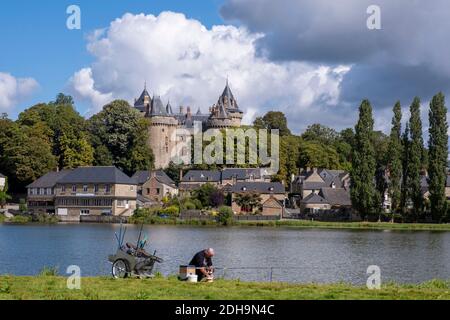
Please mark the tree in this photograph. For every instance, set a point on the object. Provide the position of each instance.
(76, 152)
(415, 159)
(438, 155)
(363, 192)
(119, 135)
(273, 120)
(173, 171)
(318, 155)
(207, 194)
(248, 201)
(404, 198)
(25, 152)
(4, 196)
(395, 158)
(320, 133)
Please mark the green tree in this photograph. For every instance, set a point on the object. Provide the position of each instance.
(273, 120)
(207, 194)
(404, 199)
(438, 156)
(363, 192)
(320, 133)
(318, 155)
(415, 159)
(76, 152)
(119, 135)
(248, 201)
(395, 158)
(4, 196)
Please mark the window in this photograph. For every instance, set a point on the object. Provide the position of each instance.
(84, 212)
(148, 190)
(120, 203)
(158, 190)
(63, 188)
(41, 191)
(96, 188)
(85, 188)
(107, 188)
(132, 188)
(49, 191)
(74, 188)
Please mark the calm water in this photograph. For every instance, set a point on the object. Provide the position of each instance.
(305, 255)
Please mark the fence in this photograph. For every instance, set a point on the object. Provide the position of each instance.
(103, 219)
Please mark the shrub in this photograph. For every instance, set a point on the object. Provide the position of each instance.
(198, 204)
(23, 205)
(172, 211)
(189, 205)
(20, 219)
(49, 271)
(225, 216)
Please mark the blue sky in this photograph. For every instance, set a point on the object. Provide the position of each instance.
(314, 60)
(36, 43)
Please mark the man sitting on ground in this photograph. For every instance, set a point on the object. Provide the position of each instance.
(203, 262)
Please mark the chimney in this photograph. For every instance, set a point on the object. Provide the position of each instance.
(152, 174)
(189, 114)
(181, 174)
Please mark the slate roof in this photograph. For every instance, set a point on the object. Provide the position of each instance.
(157, 107)
(141, 177)
(49, 180)
(97, 175)
(139, 103)
(259, 187)
(240, 174)
(189, 186)
(336, 196)
(314, 185)
(314, 198)
(201, 176)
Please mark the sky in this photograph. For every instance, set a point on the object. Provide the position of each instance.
(314, 60)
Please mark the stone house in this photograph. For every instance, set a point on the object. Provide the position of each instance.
(41, 193)
(154, 185)
(272, 195)
(2, 182)
(194, 179)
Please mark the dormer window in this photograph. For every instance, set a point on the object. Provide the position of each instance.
(244, 188)
(271, 189)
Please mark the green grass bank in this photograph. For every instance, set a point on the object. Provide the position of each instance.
(105, 288)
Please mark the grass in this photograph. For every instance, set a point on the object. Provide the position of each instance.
(304, 224)
(160, 288)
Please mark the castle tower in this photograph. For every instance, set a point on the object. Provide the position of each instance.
(144, 101)
(225, 113)
(162, 132)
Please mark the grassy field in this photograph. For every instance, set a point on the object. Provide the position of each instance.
(105, 288)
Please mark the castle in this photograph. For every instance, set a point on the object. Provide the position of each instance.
(164, 122)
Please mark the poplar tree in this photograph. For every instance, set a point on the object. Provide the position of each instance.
(363, 193)
(405, 154)
(395, 158)
(415, 158)
(438, 154)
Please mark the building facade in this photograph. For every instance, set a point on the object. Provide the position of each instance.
(153, 186)
(2, 182)
(164, 123)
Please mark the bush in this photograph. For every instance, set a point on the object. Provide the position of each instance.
(172, 211)
(189, 205)
(198, 204)
(49, 272)
(23, 206)
(20, 219)
(225, 216)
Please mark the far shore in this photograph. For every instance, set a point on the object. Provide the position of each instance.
(285, 223)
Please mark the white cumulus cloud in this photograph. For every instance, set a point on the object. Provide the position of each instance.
(184, 62)
(13, 90)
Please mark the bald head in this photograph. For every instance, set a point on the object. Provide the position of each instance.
(209, 252)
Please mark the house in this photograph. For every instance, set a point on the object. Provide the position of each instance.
(2, 182)
(313, 180)
(153, 186)
(229, 176)
(41, 193)
(95, 191)
(326, 199)
(271, 197)
(194, 179)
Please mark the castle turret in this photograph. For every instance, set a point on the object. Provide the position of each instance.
(144, 101)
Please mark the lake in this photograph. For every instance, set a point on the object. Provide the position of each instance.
(296, 255)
